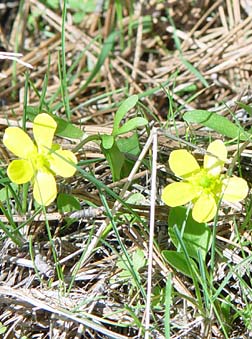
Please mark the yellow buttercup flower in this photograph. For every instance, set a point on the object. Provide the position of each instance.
(40, 161)
(205, 186)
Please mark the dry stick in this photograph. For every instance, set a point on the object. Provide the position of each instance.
(110, 14)
(208, 12)
(223, 19)
(138, 46)
(13, 57)
(151, 233)
(217, 47)
(39, 217)
(230, 14)
(237, 11)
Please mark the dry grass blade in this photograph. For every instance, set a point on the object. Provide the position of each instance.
(13, 57)
(177, 57)
(25, 296)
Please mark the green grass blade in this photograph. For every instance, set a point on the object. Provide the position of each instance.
(168, 296)
(194, 71)
(63, 82)
(106, 49)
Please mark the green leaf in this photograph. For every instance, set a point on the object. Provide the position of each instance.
(107, 141)
(120, 154)
(53, 3)
(66, 129)
(130, 148)
(3, 328)
(196, 236)
(78, 17)
(136, 199)
(87, 6)
(127, 105)
(74, 4)
(67, 203)
(178, 261)
(32, 111)
(247, 108)
(5, 192)
(115, 159)
(129, 145)
(138, 259)
(158, 299)
(216, 122)
(131, 125)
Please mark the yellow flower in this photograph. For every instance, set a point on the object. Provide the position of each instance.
(41, 160)
(204, 187)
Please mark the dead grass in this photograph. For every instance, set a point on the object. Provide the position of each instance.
(216, 39)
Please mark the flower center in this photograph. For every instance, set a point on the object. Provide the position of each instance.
(206, 181)
(209, 183)
(39, 161)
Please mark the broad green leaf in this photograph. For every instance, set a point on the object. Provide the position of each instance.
(131, 125)
(158, 298)
(78, 17)
(107, 141)
(122, 111)
(3, 329)
(178, 261)
(216, 122)
(129, 145)
(53, 4)
(136, 199)
(247, 108)
(196, 236)
(115, 159)
(67, 203)
(67, 130)
(74, 4)
(130, 148)
(32, 111)
(6, 193)
(87, 6)
(138, 259)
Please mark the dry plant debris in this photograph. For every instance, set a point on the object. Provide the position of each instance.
(191, 54)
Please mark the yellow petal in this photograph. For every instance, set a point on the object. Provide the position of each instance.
(178, 193)
(44, 189)
(215, 164)
(235, 189)
(61, 163)
(44, 127)
(204, 208)
(183, 163)
(18, 142)
(20, 171)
